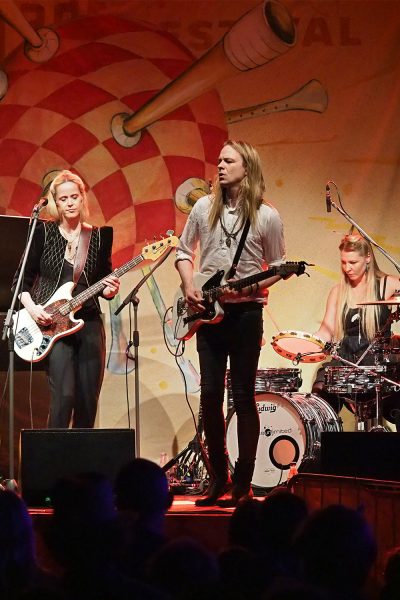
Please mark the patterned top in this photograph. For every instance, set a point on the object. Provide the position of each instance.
(46, 260)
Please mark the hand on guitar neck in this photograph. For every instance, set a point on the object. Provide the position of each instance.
(200, 298)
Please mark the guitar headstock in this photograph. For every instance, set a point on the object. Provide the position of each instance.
(157, 248)
(292, 268)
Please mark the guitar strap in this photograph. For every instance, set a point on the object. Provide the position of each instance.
(82, 251)
(236, 258)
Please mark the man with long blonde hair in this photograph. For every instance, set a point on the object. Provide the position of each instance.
(217, 222)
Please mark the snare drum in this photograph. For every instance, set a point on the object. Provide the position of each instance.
(290, 431)
(299, 346)
(349, 380)
(271, 380)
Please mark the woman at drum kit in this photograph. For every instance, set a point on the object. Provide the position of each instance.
(356, 315)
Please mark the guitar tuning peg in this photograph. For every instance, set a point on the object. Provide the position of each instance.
(169, 232)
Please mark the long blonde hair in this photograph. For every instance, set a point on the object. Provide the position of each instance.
(369, 314)
(251, 189)
(63, 177)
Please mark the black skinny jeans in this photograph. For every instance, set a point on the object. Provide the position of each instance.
(238, 336)
(75, 374)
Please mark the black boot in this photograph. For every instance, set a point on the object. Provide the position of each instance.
(217, 488)
(241, 489)
(220, 479)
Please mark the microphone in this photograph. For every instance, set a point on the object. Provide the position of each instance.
(328, 199)
(40, 205)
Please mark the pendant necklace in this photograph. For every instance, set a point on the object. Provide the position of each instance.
(70, 242)
(230, 235)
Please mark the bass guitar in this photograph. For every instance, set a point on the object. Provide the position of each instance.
(33, 341)
(185, 321)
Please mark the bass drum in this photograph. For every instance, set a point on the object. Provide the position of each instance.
(290, 432)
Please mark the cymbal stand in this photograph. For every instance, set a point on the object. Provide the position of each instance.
(378, 427)
(394, 316)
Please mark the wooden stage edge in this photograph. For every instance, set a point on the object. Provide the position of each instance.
(379, 501)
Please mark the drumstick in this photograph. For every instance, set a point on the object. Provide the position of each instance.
(40, 45)
(272, 319)
(261, 35)
(312, 96)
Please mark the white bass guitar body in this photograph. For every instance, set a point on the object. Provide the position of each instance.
(32, 341)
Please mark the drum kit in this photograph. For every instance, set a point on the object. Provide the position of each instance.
(291, 423)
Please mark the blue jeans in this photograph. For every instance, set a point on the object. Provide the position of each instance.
(238, 336)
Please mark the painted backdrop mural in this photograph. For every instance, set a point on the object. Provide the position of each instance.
(138, 98)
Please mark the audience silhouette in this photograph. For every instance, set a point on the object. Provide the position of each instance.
(336, 549)
(110, 543)
(142, 499)
(85, 538)
(391, 576)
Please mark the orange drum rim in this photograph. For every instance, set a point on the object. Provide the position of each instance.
(299, 346)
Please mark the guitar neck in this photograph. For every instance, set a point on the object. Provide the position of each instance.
(100, 285)
(242, 283)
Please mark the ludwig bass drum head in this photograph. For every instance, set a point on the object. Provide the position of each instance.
(282, 439)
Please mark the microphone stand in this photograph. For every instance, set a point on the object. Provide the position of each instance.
(134, 300)
(8, 329)
(363, 233)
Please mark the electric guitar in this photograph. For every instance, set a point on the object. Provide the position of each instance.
(33, 341)
(185, 322)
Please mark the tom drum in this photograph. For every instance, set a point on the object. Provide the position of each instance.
(271, 380)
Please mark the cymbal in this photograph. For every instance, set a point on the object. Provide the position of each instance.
(393, 300)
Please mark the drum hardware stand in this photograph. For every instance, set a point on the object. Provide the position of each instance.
(378, 426)
(394, 316)
(188, 471)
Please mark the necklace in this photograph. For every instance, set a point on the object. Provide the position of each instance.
(230, 235)
(71, 239)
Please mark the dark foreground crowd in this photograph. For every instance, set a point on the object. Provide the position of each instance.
(105, 543)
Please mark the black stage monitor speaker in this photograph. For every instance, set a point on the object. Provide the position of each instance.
(371, 455)
(49, 454)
